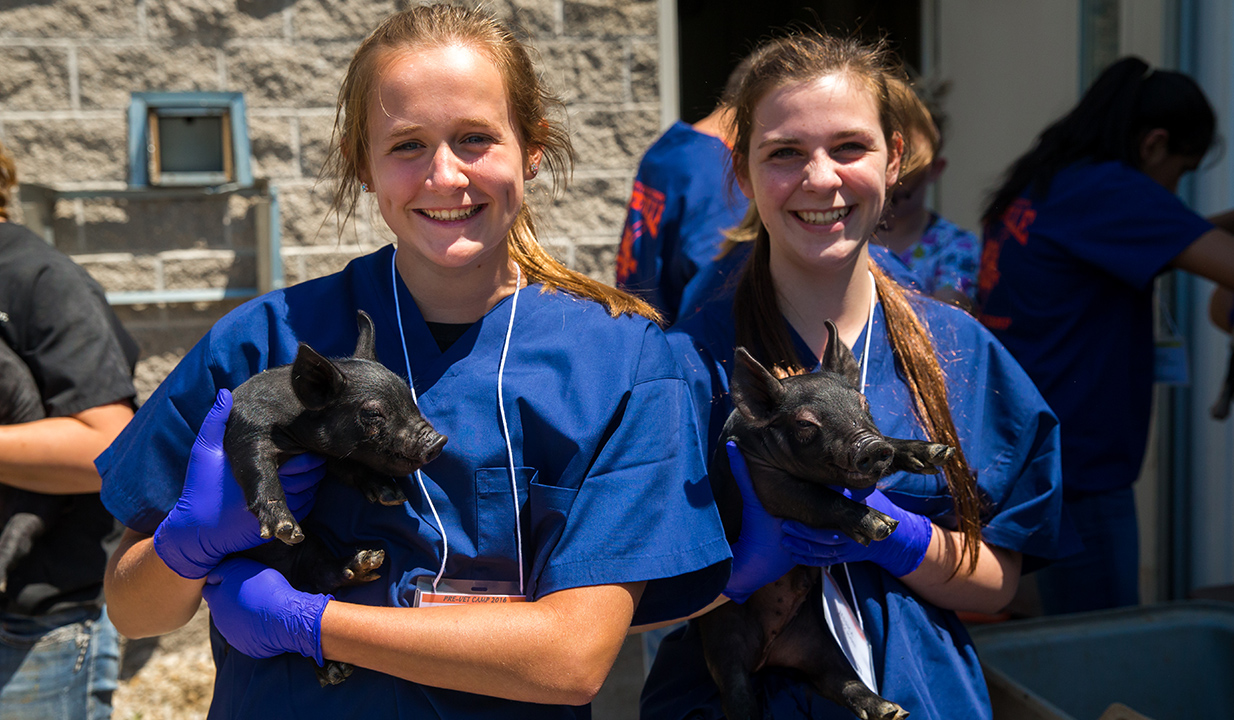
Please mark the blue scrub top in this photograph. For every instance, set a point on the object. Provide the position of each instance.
(1067, 286)
(683, 201)
(610, 474)
(923, 657)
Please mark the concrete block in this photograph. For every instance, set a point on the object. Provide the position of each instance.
(338, 19)
(585, 70)
(589, 207)
(69, 19)
(597, 259)
(645, 71)
(274, 156)
(190, 269)
(109, 74)
(527, 19)
(613, 139)
(316, 134)
(213, 21)
(304, 208)
(69, 150)
(34, 78)
(606, 18)
(122, 272)
(289, 75)
(308, 220)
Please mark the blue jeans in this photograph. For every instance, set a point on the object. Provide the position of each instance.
(1106, 573)
(62, 666)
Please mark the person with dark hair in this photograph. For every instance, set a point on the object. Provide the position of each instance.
(682, 202)
(818, 146)
(1074, 237)
(570, 500)
(59, 653)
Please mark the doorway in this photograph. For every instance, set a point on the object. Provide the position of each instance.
(714, 35)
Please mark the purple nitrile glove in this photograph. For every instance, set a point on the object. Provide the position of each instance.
(211, 519)
(899, 554)
(758, 556)
(260, 614)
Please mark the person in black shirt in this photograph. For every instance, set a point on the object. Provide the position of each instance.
(59, 654)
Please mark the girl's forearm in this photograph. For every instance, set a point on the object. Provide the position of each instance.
(989, 588)
(557, 650)
(144, 596)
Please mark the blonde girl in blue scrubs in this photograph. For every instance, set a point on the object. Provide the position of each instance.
(573, 471)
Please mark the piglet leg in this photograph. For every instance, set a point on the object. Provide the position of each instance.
(732, 645)
(807, 645)
(919, 456)
(818, 506)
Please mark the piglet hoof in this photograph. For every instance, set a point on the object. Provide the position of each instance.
(363, 567)
(385, 494)
(875, 526)
(289, 533)
(278, 523)
(924, 458)
(874, 707)
(285, 530)
(333, 673)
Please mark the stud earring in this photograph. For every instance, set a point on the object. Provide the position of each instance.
(535, 168)
(363, 187)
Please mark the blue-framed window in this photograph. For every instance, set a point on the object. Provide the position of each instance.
(188, 139)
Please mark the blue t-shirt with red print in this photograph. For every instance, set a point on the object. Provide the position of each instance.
(1066, 284)
(682, 202)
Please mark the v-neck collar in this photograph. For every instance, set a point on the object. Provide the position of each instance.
(878, 327)
(429, 364)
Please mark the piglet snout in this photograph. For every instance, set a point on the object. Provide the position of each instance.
(433, 443)
(872, 456)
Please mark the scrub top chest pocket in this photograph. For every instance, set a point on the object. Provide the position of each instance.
(543, 511)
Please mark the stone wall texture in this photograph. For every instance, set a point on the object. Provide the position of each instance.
(71, 65)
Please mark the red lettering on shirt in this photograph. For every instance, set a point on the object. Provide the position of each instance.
(988, 276)
(1018, 216)
(627, 264)
(650, 203)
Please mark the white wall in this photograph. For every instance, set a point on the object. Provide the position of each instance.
(1013, 68)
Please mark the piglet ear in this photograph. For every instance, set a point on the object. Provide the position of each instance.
(756, 393)
(315, 380)
(364, 345)
(837, 358)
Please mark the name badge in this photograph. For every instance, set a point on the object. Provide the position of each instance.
(456, 591)
(846, 628)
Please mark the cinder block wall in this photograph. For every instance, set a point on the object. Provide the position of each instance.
(69, 67)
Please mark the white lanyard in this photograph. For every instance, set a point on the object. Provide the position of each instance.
(838, 613)
(501, 367)
(865, 351)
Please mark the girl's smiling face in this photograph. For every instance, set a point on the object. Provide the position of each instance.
(819, 168)
(444, 160)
